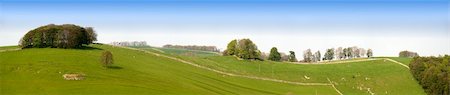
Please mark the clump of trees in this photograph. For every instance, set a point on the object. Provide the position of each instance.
(106, 59)
(407, 54)
(432, 73)
(243, 48)
(58, 36)
(193, 47)
(274, 54)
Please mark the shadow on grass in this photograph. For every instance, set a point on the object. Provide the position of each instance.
(114, 67)
(88, 48)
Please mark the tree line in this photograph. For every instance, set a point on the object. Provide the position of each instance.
(246, 49)
(58, 36)
(193, 47)
(432, 73)
(338, 54)
(130, 44)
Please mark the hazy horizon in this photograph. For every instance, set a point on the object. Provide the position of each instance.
(386, 26)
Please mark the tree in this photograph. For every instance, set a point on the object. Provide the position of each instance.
(317, 56)
(246, 49)
(369, 53)
(106, 58)
(362, 52)
(292, 57)
(355, 52)
(307, 55)
(274, 54)
(91, 35)
(349, 53)
(339, 53)
(329, 54)
(231, 47)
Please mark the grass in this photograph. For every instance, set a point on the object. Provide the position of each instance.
(9, 47)
(382, 77)
(40, 70)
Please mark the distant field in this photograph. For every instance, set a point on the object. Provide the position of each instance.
(183, 52)
(39, 71)
(8, 47)
(380, 76)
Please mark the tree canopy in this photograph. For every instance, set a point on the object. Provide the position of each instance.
(432, 73)
(244, 48)
(292, 57)
(58, 36)
(274, 54)
(407, 54)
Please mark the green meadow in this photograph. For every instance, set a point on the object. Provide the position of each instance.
(40, 70)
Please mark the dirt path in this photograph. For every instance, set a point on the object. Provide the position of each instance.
(332, 85)
(404, 65)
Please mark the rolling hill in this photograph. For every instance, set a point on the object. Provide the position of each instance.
(172, 71)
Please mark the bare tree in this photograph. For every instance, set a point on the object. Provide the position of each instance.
(339, 53)
(362, 52)
(307, 55)
(317, 56)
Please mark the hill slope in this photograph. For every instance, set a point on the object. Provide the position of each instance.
(379, 75)
(39, 71)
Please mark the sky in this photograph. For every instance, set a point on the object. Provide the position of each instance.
(386, 26)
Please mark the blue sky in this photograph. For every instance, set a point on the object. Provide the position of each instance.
(387, 26)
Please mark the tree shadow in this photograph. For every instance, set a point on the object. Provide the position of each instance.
(114, 67)
(88, 48)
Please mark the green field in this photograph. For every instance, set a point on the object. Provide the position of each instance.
(382, 77)
(40, 70)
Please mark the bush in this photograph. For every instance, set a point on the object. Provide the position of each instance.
(60, 36)
(432, 73)
(106, 58)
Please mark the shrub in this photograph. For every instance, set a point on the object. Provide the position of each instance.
(106, 58)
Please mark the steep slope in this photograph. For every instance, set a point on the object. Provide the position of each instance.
(39, 71)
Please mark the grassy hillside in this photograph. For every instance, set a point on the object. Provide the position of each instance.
(39, 71)
(404, 60)
(380, 76)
